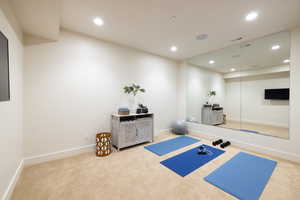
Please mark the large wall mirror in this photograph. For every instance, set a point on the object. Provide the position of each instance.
(244, 87)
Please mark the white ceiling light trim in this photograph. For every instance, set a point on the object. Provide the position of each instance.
(286, 61)
(211, 62)
(275, 47)
(251, 16)
(232, 69)
(173, 48)
(98, 21)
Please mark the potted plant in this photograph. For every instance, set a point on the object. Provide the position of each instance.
(211, 94)
(133, 90)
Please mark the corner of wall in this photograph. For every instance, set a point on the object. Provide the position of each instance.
(9, 191)
(6, 8)
(181, 91)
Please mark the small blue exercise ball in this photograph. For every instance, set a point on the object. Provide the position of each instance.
(179, 127)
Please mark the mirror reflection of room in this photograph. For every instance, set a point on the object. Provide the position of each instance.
(244, 87)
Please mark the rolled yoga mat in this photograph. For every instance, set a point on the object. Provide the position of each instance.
(168, 146)
(244, 176)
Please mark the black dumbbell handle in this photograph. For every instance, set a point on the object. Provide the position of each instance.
(217, 142)
(225, 144)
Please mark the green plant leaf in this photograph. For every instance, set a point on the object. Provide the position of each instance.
(134, 89)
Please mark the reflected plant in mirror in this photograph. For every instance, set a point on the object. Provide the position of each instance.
(211, 94)
(246, 90)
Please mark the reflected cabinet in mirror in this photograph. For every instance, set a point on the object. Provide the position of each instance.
(244, 87)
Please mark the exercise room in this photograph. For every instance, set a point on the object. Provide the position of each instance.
(172, 100)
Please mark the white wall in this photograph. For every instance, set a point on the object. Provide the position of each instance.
(287, 149)
(198, 83)
(245, 100)
(181, 91)
(74, 85)
(11, 112)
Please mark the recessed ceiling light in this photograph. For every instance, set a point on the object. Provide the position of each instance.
(232, 69)
(173, 48)
(98, 21)
(211, 62)
(275, 47)
(251, 16)
(286, 61)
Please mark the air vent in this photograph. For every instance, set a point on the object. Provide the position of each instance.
(173, 19)
(202, 37)
(237, 39)
(245, 45)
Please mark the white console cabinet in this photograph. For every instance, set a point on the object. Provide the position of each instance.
(129, 130)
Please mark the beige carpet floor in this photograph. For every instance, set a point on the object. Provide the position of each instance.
(136, 174)
(269, 130)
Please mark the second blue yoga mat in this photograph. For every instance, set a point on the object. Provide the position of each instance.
(244, 176)
(168, 146)
(188, 161)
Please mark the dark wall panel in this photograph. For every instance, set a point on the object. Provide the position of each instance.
(4, 69)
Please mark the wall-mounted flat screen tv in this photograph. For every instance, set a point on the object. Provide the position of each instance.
(4, 69)
(277, 94)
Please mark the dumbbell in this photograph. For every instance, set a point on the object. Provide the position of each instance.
(225, 144)
(217, 142)
(202, 150)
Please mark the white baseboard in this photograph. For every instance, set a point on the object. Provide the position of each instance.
(157, 133)
(58, 155)
(280, 125)
(252, 147)
(68, 152)
(13, 182)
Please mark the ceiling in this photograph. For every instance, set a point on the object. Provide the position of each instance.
(150, 25)
(251, 55)
(38, 18)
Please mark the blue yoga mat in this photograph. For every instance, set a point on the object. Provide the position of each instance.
(168, 146)
(244, 176)
(188, 161)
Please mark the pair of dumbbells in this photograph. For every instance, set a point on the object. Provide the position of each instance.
(222, 144)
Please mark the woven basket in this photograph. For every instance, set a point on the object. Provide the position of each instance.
(103, 144)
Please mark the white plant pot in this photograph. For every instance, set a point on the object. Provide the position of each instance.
(132, 103)
(211, 100)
